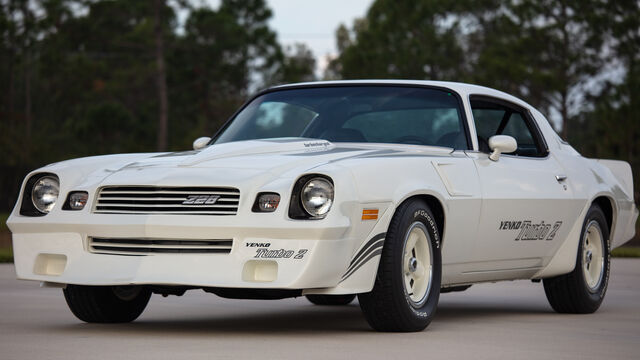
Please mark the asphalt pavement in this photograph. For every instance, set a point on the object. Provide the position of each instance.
(508, 320)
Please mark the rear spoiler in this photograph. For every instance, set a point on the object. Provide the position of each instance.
(622, 171)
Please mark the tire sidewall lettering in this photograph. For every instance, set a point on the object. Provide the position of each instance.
(425, 217)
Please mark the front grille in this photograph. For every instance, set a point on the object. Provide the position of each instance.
(167, 200)
(123, 246)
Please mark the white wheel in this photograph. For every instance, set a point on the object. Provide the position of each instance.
(582, 290)
(418, 260)
(407, 287)
(593, 256)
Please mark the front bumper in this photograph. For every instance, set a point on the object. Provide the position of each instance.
(56, 250)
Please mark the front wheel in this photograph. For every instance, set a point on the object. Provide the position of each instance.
(106, 304)
(407, 287)
(582, 290)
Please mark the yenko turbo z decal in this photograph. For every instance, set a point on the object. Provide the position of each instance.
(264, 253)
(530, 231)
(280, 254)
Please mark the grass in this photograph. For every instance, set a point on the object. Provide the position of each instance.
(626, 252)
(6, 255)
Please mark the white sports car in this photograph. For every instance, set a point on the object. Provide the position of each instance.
(392, 190)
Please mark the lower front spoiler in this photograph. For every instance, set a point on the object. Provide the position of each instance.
(63, 258)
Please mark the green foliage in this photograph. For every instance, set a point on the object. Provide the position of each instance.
(546, 51)
(576, 60)
(6, 255)
(80, 77)
(610, 127)
(402, 39)
(3, 222)
(626, 252)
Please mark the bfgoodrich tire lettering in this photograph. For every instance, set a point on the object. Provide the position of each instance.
(582, 290)
(392, 304)
(106, 304)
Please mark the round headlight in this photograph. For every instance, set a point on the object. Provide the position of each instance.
(317, 197)
(45, 193)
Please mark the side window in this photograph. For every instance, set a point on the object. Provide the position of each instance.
(495, 118)
(487, 121)
(517, 127)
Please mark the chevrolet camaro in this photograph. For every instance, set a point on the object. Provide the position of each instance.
(391, 191)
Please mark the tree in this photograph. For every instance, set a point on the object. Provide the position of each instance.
(402, 39)
(86, 77)
(576, 60)
(610, 128)
(161, 77)
(298, 65)
(260, 49)
(547, 51)
(223, 55)
(559, 46)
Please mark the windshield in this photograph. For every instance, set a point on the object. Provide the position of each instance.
(376, 114)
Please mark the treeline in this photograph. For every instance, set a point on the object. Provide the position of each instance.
(81, 77)
(85, 77)
(578, 61)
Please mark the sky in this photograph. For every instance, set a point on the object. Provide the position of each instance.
(312, 22)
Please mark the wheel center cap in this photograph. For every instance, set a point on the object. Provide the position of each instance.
(413, 264)
(589, 256)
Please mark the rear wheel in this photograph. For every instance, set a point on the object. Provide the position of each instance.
(582, 290)
(106, 304)
(331, 299)
(407, 287)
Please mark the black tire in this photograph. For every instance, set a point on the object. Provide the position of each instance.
(331, 299)
(106, 304)
(388, 307)
(570, 293)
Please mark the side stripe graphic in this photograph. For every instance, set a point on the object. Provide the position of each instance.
(371, 249)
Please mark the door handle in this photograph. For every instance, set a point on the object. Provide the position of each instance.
(561, 178)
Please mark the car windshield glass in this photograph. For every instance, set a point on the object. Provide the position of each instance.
(380, 114)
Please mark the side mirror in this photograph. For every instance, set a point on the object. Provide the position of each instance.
(201, 142)
(501, 144)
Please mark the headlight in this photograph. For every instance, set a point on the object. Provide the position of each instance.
(317, 197)
(45, 193)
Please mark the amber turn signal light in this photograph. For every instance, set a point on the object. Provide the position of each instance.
(369, 214)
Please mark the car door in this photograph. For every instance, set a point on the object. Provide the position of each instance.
(527, 206)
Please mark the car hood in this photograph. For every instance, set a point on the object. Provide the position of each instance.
(236, 162)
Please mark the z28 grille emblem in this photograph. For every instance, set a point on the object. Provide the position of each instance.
(201, 200)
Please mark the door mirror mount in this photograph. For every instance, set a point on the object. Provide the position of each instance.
(501, 144)
(201, 142)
